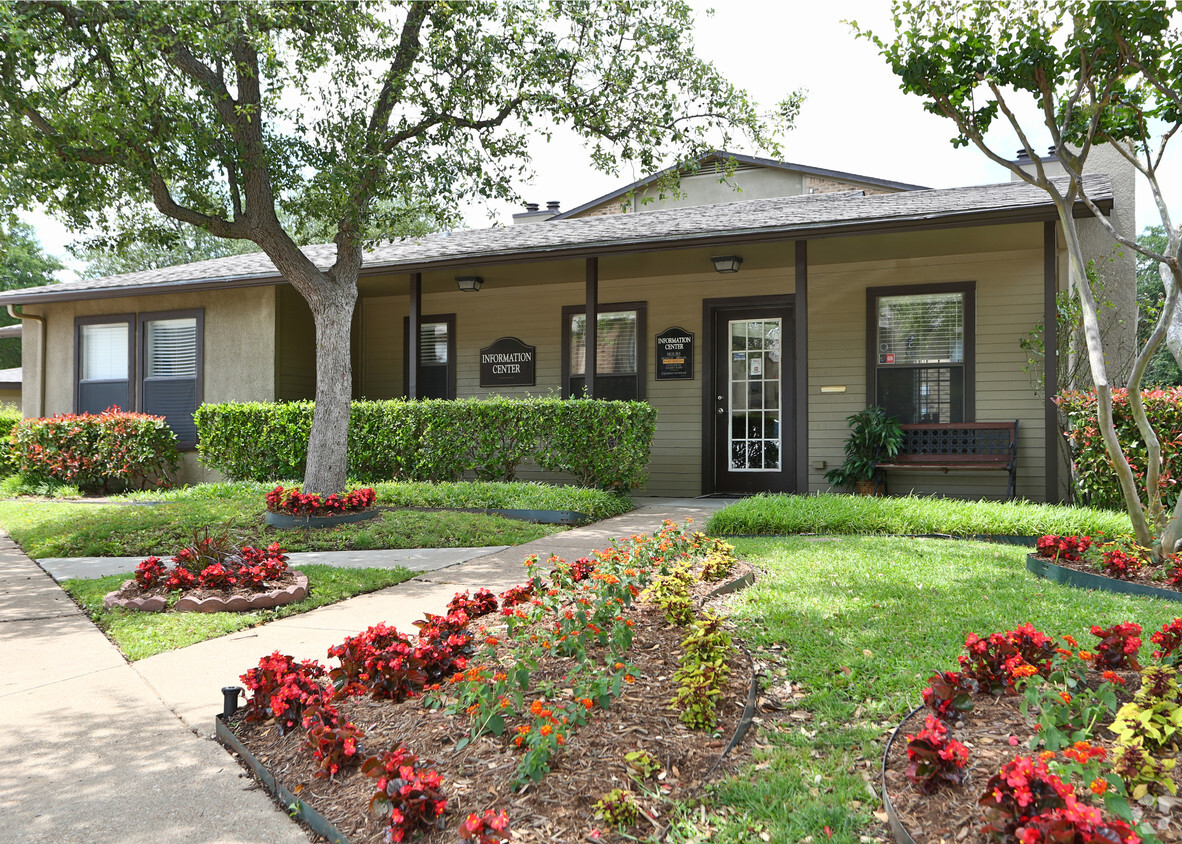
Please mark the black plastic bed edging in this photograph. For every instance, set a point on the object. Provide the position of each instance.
(1086, 580)
(307, 814)
(902, 836)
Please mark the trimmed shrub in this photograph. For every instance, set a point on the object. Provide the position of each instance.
(97, 452)
(9, 418)
(601, 443)
(1095, 478)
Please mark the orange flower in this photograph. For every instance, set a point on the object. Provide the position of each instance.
(628, 678)
(1098, 787)
(546, 729)
(1086, 655)
(1065, 697)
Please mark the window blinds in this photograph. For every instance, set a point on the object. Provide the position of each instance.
(104, 352)
(921, 329)
(615, 343)
(170, 348)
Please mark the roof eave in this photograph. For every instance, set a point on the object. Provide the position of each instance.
(810, 231)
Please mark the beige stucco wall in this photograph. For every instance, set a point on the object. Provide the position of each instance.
(1004, 261)
(239, 348)
(11, 398)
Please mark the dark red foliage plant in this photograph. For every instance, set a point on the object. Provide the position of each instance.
(412, 796)
(950, 693)
(282, 688)
(1022, 789)
(1118, 647)
(1168, 640)
(933, 757)
(150, 572)
(295, 503)
(998, 661)
(480, 604)
(1069, 548)
(334, 747)
(490, 828)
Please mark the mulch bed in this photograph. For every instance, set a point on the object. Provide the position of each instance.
(561, 807)
(951, 814)
(272, 593)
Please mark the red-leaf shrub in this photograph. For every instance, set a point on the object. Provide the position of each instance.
(933, 757)
(1118, 563)
(515, 595)
(1070, 548)
(480, 604)
(1001, 659)
(282, 689)
(334, 747)
(1168, 640)
(389, 664)
(1118, 646)
(97, 452)
(490, 828)
(1021, 790)
(295, 503)
(149, 572)
(413, 796)
(1094, 476)
(949, 693)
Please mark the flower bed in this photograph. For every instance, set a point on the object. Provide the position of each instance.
(1117, 559)
(292, 502)
(530, 711)
(1035, 740)
(214, 574)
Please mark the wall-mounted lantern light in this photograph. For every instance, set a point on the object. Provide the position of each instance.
(469, 283)
(726, 263)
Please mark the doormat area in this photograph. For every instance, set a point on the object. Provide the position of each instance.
(726, 496)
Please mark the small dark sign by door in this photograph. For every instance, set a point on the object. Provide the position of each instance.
(675, 354)
(507, 363)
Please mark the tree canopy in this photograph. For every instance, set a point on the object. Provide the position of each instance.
(1095, 73)
(235, 116)
(23, 263)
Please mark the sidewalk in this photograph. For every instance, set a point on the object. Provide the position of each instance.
(94, 752)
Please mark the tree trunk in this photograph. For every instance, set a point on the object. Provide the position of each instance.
(328, 446)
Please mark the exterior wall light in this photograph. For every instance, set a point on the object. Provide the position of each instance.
(469, 283)
(726, 263)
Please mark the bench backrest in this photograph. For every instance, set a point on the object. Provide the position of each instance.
(953, 442)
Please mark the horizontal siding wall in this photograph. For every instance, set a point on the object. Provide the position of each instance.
(1008, 305)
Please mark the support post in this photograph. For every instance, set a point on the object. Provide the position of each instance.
(800, 320)
(1050, 312)
(414, 329)
(592, 325)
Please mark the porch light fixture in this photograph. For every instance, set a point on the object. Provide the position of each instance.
(469, 283)
(726, 263)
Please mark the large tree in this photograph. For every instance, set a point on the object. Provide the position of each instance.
(234, 116)
(1092, 73)
(23, 263)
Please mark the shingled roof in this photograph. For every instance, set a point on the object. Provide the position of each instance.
(783, 218)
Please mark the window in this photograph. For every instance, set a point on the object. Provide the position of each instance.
(170, 370)
(104, 350)
(619, 351)
(437, 356)
(920, 359)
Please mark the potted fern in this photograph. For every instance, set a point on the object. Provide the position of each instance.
(874, 436)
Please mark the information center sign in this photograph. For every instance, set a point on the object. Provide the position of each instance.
(507, 363)
(675, 354)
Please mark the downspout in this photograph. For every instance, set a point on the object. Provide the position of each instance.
(41, 387)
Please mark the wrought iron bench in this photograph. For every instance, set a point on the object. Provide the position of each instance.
(959, 445)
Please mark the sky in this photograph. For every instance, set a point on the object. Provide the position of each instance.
(855, 118)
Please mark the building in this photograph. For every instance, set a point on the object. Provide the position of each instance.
(754, 326)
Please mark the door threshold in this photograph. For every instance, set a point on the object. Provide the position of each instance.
(727, 495)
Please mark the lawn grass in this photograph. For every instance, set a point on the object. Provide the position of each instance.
(857, 625)
(520, 495)
(141, 634)
(61, 529)
(844, 514)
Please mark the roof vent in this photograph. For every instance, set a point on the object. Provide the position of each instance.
(531, 206)
(552, 205)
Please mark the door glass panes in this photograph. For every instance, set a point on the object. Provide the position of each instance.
(755, 412)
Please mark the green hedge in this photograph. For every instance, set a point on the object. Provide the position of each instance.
(602, 444)
(1095, 479)
(9, 417)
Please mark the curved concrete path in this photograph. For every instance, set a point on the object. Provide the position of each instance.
(98, 749)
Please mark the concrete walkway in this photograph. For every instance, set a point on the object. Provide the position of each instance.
(94, 747)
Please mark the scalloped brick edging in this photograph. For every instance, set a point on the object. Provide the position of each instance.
(238, 603)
